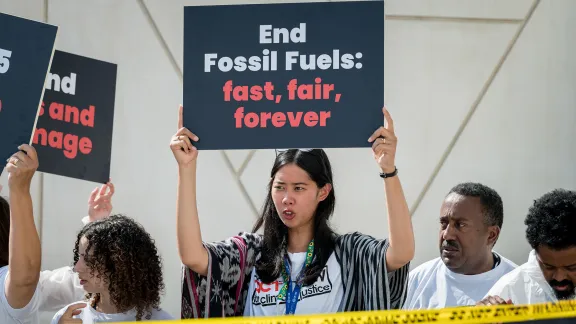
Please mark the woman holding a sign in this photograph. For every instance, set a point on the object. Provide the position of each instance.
(20, 254)
(299, 265)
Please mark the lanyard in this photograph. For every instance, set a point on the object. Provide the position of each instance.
(287, 293)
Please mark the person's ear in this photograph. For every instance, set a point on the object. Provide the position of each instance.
(493, 234)
(324, 192)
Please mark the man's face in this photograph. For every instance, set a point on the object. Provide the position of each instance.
(559, 269)
(464, 236)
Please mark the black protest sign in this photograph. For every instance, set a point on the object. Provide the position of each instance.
(74, 132)
(26, 49)
(284, 75)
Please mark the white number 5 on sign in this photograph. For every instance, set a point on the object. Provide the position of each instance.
(4, 60)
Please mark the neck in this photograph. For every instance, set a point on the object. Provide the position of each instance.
(105, 304)
(299, 238)
(484, 265)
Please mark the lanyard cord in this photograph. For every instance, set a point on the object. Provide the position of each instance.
(287, 293)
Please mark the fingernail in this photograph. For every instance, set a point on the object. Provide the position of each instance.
(196, 138)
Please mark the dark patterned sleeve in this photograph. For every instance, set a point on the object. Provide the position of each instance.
(220, 293)
(368, 284)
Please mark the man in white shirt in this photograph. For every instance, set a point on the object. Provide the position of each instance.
(471, 218)
(549, 274)
(19, 296)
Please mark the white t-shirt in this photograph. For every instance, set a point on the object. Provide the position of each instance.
(89, 315)
(324, 296)
(432, 285)
(524, 285)
(8, 315)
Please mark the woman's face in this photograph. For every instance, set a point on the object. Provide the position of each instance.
(296, 196)
(91, 282)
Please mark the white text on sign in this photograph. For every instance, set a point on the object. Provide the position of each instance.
(59, 84)
(4, 60)
(268, 61)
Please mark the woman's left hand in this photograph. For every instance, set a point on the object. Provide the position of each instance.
(71, 311)
(384, 144)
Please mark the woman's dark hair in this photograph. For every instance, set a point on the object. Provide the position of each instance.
(4, 231)
(125, 257)
(269, 266)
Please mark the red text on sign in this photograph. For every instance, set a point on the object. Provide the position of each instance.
(280, 118)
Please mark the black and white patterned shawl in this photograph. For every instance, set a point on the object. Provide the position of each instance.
(223, 291)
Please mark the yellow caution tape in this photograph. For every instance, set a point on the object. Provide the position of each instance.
(472, 315)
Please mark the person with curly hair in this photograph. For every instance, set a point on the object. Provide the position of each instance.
(120, 269)
(61, 286)
(549, 274)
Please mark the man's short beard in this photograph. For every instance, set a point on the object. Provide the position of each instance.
(565, 295)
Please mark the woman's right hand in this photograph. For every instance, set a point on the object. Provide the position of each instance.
(181, 145)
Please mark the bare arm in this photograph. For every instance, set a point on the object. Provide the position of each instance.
(24, 245)
(190, 246)
(400, 233)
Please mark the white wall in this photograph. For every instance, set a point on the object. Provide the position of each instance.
(440, 57)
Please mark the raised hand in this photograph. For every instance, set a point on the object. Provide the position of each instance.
(181, 145)
(384, 144)
(100, 202)
(21, 168)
